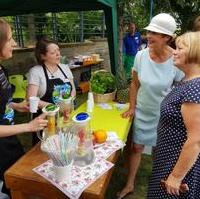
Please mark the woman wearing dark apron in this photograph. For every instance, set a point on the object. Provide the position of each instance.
(49, 77)
(10, 147)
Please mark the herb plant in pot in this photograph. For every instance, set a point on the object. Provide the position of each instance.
(103, 86)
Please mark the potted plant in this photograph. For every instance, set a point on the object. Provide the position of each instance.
(103, 86)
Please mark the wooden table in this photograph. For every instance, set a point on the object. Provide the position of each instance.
(76, 67)
(77, 70)
(26, 184)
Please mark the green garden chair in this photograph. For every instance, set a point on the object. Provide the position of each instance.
(20, 86)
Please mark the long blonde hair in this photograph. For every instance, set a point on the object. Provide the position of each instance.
(191, 41)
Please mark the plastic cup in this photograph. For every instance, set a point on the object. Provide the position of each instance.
(91, 98)
(33, 103)
(89, 106)
(63, 173)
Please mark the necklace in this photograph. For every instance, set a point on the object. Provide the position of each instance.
(52, 73)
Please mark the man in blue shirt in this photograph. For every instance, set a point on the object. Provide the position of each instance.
(131, 45)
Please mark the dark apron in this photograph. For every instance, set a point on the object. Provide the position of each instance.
(10, 148)
(51, 83)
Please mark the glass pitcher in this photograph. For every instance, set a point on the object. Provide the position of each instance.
(52, 113)
(66, 107)
(84, 153)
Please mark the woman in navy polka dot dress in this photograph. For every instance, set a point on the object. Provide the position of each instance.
(177, 154)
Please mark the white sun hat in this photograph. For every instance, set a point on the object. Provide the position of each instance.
(162, 23)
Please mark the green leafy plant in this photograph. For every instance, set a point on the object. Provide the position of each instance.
(102, 82)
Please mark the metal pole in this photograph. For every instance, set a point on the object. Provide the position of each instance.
(19, 32)
(103, 25)
(151, 9)
(16, 30)
(81, 27)
(54, 26)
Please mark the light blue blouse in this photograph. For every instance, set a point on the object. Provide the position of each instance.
(156, 80)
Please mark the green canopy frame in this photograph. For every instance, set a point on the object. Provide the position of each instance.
(18, 7)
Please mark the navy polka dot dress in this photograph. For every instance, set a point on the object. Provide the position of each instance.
(171, 137)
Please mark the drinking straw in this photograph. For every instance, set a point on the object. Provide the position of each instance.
(59, 148)
(48, 150)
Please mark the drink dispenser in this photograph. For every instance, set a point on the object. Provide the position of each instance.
(51, 110)
(84, 153)
(66, 107)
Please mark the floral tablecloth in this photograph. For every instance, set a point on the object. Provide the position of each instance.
(83, 177)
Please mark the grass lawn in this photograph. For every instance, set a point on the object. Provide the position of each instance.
(119, 177)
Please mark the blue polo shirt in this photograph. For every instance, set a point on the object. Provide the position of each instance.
(131, 43)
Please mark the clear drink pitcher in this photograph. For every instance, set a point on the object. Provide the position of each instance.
(51, 110)
(66, 107)
(84, 153)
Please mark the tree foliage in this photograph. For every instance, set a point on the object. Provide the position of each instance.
(138, 11)
(128, 11)
(185, 11)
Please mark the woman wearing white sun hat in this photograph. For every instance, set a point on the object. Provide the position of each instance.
(153, 76)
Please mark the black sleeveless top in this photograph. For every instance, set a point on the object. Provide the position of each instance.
(10, 147)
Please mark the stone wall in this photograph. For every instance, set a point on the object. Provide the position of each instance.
(23, 59)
